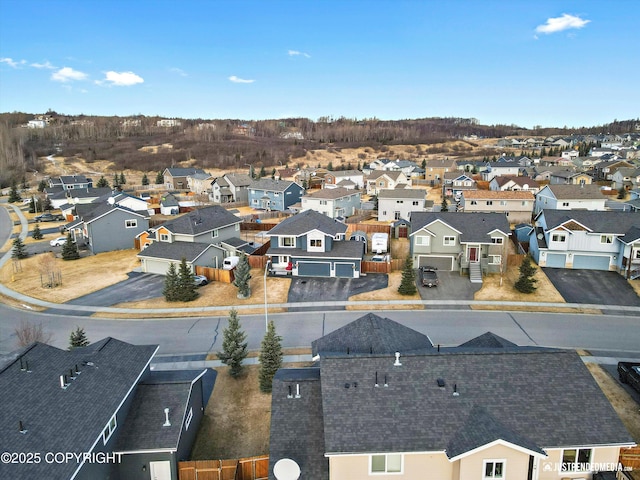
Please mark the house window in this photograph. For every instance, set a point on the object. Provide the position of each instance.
(493, 469)
(389, 463)
(489, 202)
(564, 204)
(399, 201)
(237, 227)
(415, 203)
(187, 422)
(288, 241)
(497, 240)
(164, 237)
(606, 238)
(637, 254)
(576, 459)
(474, 202)
(422, 240)
(131, 223)
(315, 242)
(558, 237)
(215, 233)
(449, 241)
(109, 429)
(503, 203)
(495, 259)
(323, 202)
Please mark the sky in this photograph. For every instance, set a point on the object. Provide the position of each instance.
(549, 63)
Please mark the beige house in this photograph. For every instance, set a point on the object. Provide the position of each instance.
(486, 409)
(382, 180)
(516, 204)
(434, 170)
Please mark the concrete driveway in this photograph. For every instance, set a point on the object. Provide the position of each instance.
(453, 286)
(311, 289)
(592, 286)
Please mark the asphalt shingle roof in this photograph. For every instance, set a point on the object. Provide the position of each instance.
(201, 220)
(331, 193)
(271, 185)
(598, 222)
(572, 192)
(183, 172)
(306, 221)
(475, 227)
(175, 251)
(410, 193)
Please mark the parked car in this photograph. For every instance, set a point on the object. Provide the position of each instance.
(428, 277)
(48, 217)
(380, 258)
(629, 372)
(58, 242)
(200, 280)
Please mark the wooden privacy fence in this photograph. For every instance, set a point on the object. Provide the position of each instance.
(630, 457)
(382, 267)
(368, 228)
(258, 261)
(252, 468)
(216, 274)
(514, 260)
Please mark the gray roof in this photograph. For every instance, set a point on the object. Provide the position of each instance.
(271, 185)
(474, 227)
(238, 179)
(88, 192)
(332, 193)
(201, 220)
(530, 392)
(183, 172)
(221, 182)
(571, 192)
(599, 222)
(488, 340)
(371, 334)
(345, 173)
(72, 179)
(410, 193)
(64, 420)
(306, 221)
(101, 209)
(169, 200)
(201, 175)
(175, 251)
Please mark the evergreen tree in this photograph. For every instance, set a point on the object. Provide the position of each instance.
(14, 195)
(444, 206)
(116, 180)
(78, 338)
(234, 345)
(25, 184)
(19, 250)
(526, 283)
(145, 180)
(122, 179)
(170, 290)
(242, 276)
(273, 173)
(47, 204)
(408, 282)
(262, 172)
(102, 183)
(42, 185)
(32, 205)
(186, 284)
(37, 233)
(159, 178)
(270, 357)
(70, 249)
(330, 166)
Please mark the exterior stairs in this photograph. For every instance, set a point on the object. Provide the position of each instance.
(475, 272)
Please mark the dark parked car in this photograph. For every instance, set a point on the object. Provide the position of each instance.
(629, 372)
(428, 276)
(48, 217)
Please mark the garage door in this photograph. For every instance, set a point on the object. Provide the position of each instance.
(345, 270)
(441, 263)
(556, 260)
(154, 266)
(314, 269)
(591, 263)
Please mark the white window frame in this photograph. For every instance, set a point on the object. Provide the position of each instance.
(565, 204)
(187, 422)
(606, 239)
(497, 240)
(215, 233)
(131, 223)
(386, 463)
(284, 240)
(164, 237)
(416, 203)
(559, 237)
(474, 202)
(575, 466)
(109, 429)
(637, 255)
(423, 240)
(449, 241)
(494, 461)
(489, 202)
(503, 203)
(495, 259)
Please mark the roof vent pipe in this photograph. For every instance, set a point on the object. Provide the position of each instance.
(376, 384)
(63, 382)
(21, 428)
(290, 395)
(397, 362)
(167, 423)
(455, 390)
(297, 390)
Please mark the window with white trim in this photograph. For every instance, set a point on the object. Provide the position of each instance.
(497, 240)
(237, 227)
(187, 422)
(493, 469)
(637, 254)
(565, 204)
(474, 202)
(215, 233)
(576, 459)
(489, 202)
(449, 241)
(503, 203)
(606, 238)
(315, 242)
(164, 237)
(495, 259)
(287, 241)
(415, 203)
(423, 240)
(558, 237)
(132, 223)
(386, 463)
(109, 429)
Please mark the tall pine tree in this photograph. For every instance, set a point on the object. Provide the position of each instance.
(37, 233)
(270, 357)
(526, 283)
(145, 180)
(242, 275)
(234, 345)
(159, 178)
(78, 338)
(408, 282)
(186, 284)
(70, 249)
(102, 182)
(14, 195)
(19, 250)
(170, 290)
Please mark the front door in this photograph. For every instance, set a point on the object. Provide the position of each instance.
(160, 470)
(473, 254)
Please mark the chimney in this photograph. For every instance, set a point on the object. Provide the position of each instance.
(397, 362)
(166, 423)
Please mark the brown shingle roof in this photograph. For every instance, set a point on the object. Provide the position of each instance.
(502, 195)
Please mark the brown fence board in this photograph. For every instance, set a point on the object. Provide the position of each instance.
(251, 468)
(630, 457)
(368, 228)
(257, 261)
(216, 274)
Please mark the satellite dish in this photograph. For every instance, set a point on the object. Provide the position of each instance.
(540, 236)
(286, 469)
(111, 200)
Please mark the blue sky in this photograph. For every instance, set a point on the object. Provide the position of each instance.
(548, 63)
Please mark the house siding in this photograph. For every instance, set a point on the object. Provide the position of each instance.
(108, 233)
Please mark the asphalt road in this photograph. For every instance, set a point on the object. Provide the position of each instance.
(308, 289)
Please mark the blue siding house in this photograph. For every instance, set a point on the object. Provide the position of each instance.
(270, 194)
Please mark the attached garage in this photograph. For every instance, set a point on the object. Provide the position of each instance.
(314, 269)
(446, 263)
(591, 262)
(556, 260)
(345, 270)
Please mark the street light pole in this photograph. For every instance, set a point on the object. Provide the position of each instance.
(266, 314)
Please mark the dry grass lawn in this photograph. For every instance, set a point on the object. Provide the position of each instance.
(389, 293)
(79, 277)
(492, 289)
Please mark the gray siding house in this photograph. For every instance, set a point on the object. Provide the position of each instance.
(270, 194)
(333, 202)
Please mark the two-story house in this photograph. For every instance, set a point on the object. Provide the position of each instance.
(587, 240)
(69, 182)
(435, 170)
(333, 202)
(473, 242)
(231, 187)
(626, 178)
(396, 204)
(511, 166)
(310, 244)
(605, 170)
(513, 183)
(455, 182)
(569, 197)
(175, 178)
(204, 237)
(273, 194)
(344, 178)
(568, 176)
(199, 183)
(382, 402)
(517, 205)
(382, 180)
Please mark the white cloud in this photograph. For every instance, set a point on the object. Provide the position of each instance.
(235, 79)
(46, 65)
(559, 24)
(11, 62)
(295, 53)
(121, 79)
(179, 71)
(68, 74)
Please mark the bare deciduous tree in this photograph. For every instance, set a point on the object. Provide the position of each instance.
(27, 333)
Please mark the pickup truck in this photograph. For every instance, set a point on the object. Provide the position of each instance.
(629, 372)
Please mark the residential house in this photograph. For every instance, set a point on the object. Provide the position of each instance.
(435, 170)
(310, 244)
(626, 178)
(199, 183)
(175, 178)
(517, 205)
(231, 187)
(569, 197)
(455, 183)
(587, 240)
(604, 170)
(333, 202)
(344, 178)
(569, 177)
(441, 410)
(102, 404)
(511, 166)
(76, 196)
(394, 204)
(474, 242)
(169, 205)
(382, 180)
(69, 182)
(514, 183)
(310, 177)
(271, 194)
